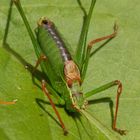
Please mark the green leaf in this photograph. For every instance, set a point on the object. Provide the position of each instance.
(32, 117)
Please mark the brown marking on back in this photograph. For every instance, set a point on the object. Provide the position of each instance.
(71, 72)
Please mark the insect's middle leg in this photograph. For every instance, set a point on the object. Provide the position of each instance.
(53, 106)
(119, 91)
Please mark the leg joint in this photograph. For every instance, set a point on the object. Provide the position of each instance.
(119, 86)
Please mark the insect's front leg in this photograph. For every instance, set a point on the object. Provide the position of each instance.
(90, 45)
(119, 91)
(53, 106)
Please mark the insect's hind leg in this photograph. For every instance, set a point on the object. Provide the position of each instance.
(119, 91)
(53, 106)
(90, 45)
(4, 42)
(28, 27)
(8, 23)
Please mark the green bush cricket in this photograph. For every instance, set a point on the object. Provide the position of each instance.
(65, 73)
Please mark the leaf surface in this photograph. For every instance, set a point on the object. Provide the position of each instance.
(32, 117)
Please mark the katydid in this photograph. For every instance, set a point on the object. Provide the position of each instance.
(65, 73)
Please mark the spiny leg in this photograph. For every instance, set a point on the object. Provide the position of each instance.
(53, 106)
(90, 45)
(119, 91)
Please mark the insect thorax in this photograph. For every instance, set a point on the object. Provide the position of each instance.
(77, 98)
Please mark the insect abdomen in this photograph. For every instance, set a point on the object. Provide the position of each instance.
(49, 48)
(59, 42)
(55, 37)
